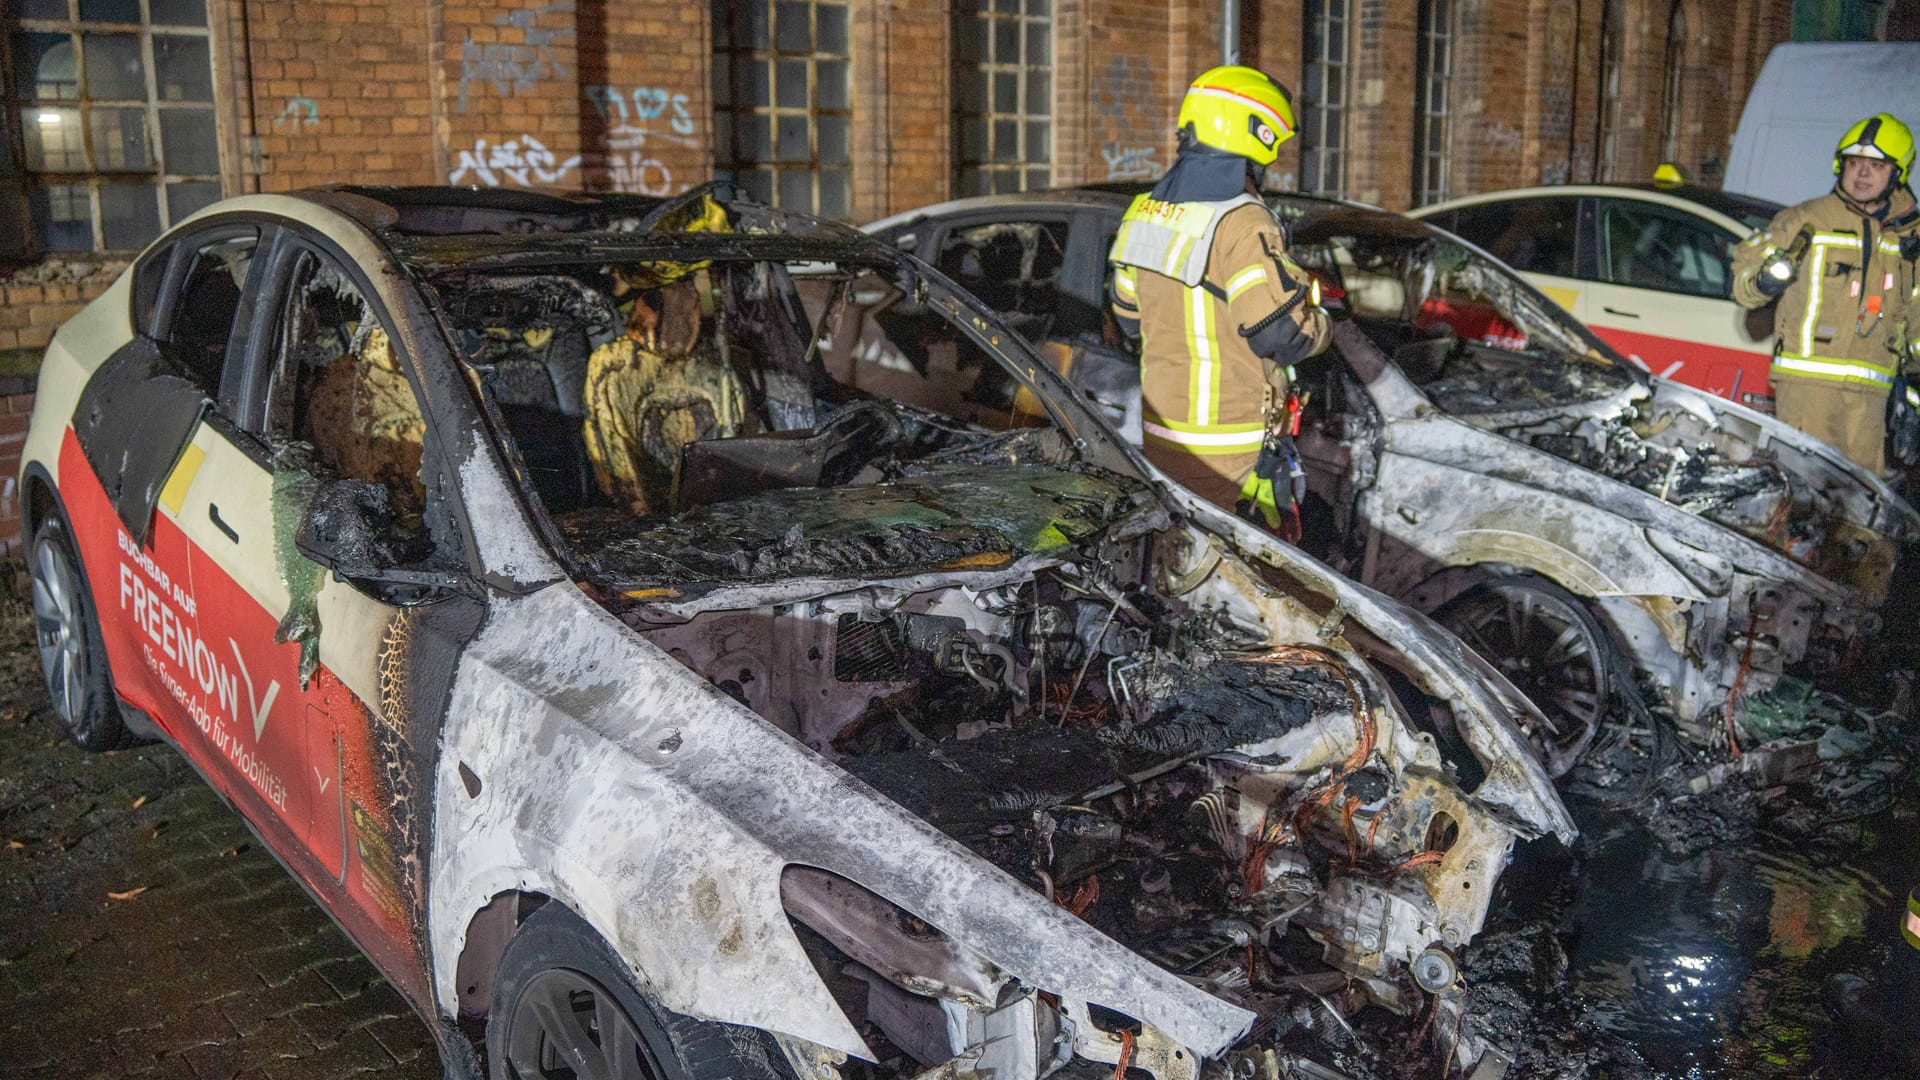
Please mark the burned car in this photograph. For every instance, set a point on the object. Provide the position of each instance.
(649, 692)
(1477, 453)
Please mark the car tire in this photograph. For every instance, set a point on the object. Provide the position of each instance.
(73, 657)
(564, 1005)
(1549, 645)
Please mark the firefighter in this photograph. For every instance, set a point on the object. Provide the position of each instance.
(1202, 277)
(1846, 290)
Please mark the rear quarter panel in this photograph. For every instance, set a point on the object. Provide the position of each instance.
(77, 350)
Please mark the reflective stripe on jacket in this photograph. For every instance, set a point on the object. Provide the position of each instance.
(1173, 238)
(1203, 388)
(1848, 315)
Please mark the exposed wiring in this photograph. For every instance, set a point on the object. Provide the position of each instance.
(1736, 693)
(1126, 1055)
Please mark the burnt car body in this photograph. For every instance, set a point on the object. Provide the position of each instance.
(1477, 453)
(643, 690)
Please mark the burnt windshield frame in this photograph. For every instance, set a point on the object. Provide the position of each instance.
(431, 263)
(1354, 223)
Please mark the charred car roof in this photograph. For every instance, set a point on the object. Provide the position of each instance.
(436, 229)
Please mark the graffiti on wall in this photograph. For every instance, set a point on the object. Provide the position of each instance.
(633, 137)
(1123, 104)
(524, 161)
(1503, 137)
(510, 67)
(301, 112)
(644, 104)
(1130, 162)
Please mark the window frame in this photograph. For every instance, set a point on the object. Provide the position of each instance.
(1581, 242)
(1603, 245)
(1675, 90)
(1024, 161)
(1071, 258)
(157, 179)
(1317, 116)
(180, 250)
(1431, 164)
(731, 50)
(1613, 40)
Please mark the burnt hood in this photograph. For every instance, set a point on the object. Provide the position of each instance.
(950, 517)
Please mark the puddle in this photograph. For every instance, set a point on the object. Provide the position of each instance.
(1772, 958)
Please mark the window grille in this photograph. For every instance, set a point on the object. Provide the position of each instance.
(1322, 108)
(114, 105)
(1612, 35)
(1003, 95)
(1433, 129)
(1670, 148)
(782, 103)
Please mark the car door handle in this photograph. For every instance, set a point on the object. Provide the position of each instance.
(1622, 314)
(213, 514)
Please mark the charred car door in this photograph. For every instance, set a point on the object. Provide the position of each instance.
(325, 423)
(145, 426)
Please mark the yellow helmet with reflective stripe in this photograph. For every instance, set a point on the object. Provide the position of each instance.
(1239, 110)
(1878, 136)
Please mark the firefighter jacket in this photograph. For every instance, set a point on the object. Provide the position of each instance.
(1222, 311)
(1845, 326)
(1846, 315)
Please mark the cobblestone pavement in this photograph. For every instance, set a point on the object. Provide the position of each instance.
(147, 933)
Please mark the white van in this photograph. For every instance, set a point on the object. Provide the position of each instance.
(1806, 95)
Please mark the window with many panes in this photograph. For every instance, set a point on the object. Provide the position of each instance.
(781, 102)
(1323, 99)
(1432, 133)
(1612, 41)
(1003, 90)
(114, 102)
(1676, 66)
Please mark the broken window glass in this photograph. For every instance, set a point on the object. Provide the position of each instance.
(208, 303)
(1013, 267)
(98, 107)
(340, 387)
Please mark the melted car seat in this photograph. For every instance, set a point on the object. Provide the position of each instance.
(652, 391)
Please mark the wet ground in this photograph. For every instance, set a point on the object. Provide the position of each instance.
(1749, 932)
(145, 933)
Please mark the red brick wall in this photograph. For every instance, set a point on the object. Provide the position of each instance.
(14, 411)
(902, 125)
(30, 311)
(340, 90)
(1382, 98)
(590, 94)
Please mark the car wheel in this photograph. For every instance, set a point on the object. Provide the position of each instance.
(565, 1006)
(1546, 642)
(72, 656)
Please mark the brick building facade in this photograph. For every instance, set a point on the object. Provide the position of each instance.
(583, 94)
(118, 117)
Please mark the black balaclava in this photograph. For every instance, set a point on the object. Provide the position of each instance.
(1202, 174)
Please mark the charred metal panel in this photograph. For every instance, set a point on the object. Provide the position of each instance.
(133, 420)
(664, 812)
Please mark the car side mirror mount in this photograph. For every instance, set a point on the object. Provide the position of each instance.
(352, 529)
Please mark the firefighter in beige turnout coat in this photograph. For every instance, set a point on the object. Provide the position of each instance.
(1843, 269)
(1201, 274)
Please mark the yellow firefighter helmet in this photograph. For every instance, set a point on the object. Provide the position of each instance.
(1240, 110)
(1878, 136)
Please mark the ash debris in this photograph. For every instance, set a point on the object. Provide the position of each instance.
(1754, 497)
